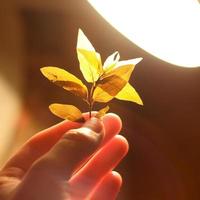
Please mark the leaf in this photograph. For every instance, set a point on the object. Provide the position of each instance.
(112, 84)
(89, 59)
(114, 81)
(102, 112)
(90, 64)
(111, 61)
(128, 93)
(83, 42)
(100, 95)
(132, 62)
(123, 68)
(65, 111)
(65, 80)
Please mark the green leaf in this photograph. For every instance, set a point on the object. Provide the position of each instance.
(128, 93)
(111, 61)
(89, 59)
(69, 112)
(65, 80)
(102, 112)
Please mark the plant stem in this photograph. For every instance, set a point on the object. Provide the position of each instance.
(90, 110)
(91, 102)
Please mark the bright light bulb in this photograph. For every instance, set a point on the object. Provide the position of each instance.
(170, 30)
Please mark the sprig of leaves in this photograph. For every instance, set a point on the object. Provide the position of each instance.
(109, 80)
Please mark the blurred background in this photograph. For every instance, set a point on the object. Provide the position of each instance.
(164, 135)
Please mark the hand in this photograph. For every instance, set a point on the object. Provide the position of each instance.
(67, 161)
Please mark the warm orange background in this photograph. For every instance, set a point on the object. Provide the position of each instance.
(164, 134)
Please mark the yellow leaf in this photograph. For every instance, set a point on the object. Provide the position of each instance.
(89, 59)
(102, 112)
(111, 61)
(83, 42)
(131, 62)
(124, 72)
(128, 93)
(123, 69)
(69, 112)
(65, 80)
(114, 81)
(100, 95)
(112, 84)
(90, 64)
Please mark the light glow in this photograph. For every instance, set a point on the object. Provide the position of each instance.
(169, 30)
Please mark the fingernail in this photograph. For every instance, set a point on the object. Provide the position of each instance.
(91, 132)
(94, 124)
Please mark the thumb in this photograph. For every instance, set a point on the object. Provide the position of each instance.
(71, 150)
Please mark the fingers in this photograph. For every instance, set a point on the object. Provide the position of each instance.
(72, 149)
(43, 141)
(104, 161)
(112, 125)
(38, 145)
(108, 188)
(48, 174)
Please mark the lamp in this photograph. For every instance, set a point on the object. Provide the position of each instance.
(169, 30)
